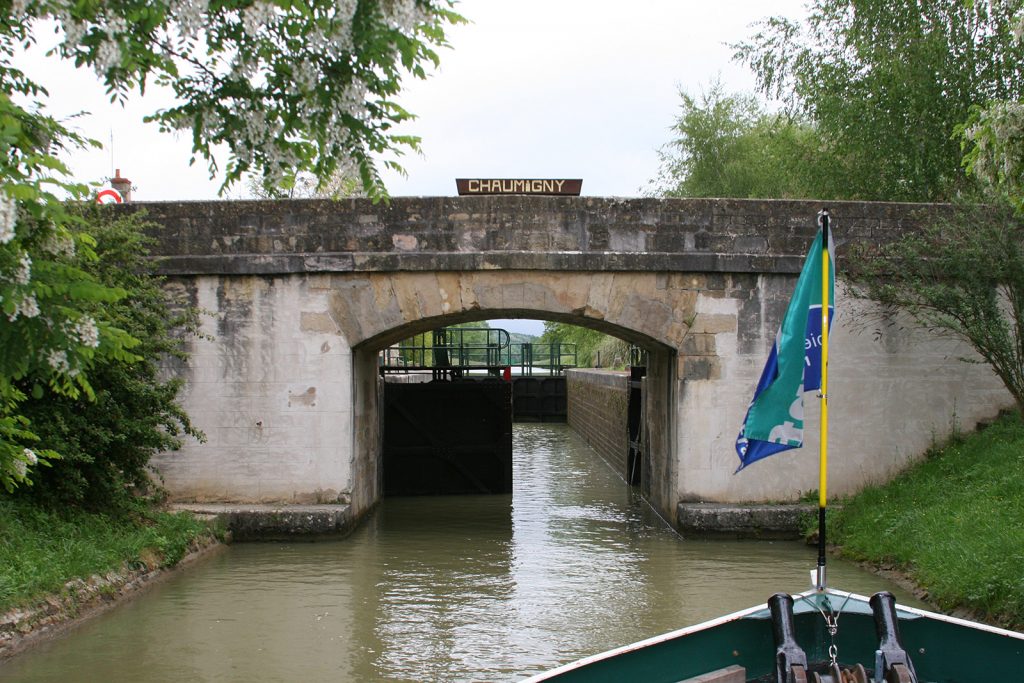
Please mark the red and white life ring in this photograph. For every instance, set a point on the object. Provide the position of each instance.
(109, 196)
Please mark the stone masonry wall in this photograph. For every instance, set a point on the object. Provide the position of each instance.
(270, 384)
(519, 233)
(597, 411)
(890, 398)
(303, 293)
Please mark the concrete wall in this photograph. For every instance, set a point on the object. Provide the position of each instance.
(303, 294)
(598, 402)
(432, 234)
(271, 385)
(291, 410)
(889, 400)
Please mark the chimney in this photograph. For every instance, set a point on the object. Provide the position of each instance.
(122, 185)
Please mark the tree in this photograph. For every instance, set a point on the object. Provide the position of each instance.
(727, 145)
(306, 186)
(286, 86)
(994, 141)
(897, 92)
(49, 339)
(106, 444)
(964, 275)
(593, 348)
(885, 84)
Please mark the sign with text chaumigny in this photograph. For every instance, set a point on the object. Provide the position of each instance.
(557, 187)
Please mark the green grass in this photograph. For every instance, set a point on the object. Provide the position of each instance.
(954, 523)
(40, 550)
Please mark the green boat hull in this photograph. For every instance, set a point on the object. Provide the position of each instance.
(942, 649)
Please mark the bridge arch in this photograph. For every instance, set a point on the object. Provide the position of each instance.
(378, 309)
(643, 309)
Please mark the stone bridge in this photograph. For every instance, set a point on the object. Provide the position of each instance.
(302, 294)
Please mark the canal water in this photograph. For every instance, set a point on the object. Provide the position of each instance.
(468, 588)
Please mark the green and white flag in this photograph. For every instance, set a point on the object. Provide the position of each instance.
(775, 418)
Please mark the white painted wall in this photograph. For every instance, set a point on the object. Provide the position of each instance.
(272, 389)
(889, 400)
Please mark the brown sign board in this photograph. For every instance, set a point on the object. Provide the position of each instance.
(469, 186)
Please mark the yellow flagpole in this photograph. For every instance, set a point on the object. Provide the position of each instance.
(823, 219)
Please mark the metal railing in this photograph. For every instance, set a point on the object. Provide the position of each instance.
(450, 347)
(456, 351)
(555, 357)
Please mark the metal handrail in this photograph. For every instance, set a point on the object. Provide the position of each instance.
(460, 347)
(555, 357)
(466, 348)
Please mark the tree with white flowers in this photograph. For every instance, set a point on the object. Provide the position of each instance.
(285, 86)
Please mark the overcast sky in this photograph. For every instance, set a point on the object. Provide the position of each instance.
(529, 89)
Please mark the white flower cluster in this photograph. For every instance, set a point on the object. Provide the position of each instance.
(353, 99)
(107, 56)
(58, 245)
(58, 360)
(18, 11)
(28, 307)
(20, 469)
(30, 456)
(86, 332)
(74, 30)
(999, 138)
(109, 53)
(8, 218)
(189, 15)
(333, 38)
(23, 274)
(404, 14)
(256, 16)
(339, 39)
(304, 76)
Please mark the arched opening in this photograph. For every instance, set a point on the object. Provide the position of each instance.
(647, 465)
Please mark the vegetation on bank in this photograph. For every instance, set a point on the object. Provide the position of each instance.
(952, 523)
(88, 507)
(594, 349)
(42, 549)
(279, 127)
(105, 443)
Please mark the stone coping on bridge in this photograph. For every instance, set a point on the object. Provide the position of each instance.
(252, 522)
(284, 264)
(508, 233)
(753, 520)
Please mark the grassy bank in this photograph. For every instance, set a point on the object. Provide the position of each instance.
(954, 523)
(40, 550)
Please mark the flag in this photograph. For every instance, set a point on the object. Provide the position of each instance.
(775, 418)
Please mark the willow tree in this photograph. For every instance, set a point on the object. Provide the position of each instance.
(963, 275)
(885, 83)
(728, 145)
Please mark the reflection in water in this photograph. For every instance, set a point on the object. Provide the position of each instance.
(467, 588)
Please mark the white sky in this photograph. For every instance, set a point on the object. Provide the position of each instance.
(530, 89)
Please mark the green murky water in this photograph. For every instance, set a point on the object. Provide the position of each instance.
(439, 589)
